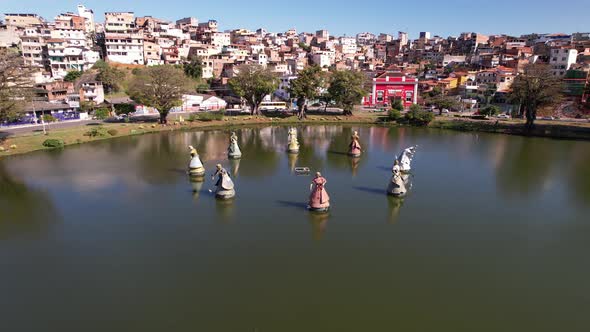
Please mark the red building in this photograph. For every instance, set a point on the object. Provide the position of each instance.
(388, 86)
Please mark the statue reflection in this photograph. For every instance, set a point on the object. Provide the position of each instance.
(354, 164)
(225, 210)
(292, 161)
(196, 185)
(235, 167)
(395, 204)
(319, 222)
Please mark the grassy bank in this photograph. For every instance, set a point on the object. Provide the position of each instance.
(28, 142)
(551, 129)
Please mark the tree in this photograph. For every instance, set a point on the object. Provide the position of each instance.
(443, 102)
(536, 88)
(397, 104)
(347, 89)
(72, 76)
(15, 84)
(194, 68)
(307, 86)
(490, 110)
(160, 87)
(253, 83)
(110, 77)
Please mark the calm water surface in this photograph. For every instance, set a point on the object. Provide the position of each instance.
(494, 235)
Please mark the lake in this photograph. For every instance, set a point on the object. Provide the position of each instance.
(494, 235)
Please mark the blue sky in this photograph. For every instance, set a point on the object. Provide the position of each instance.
(344, 17)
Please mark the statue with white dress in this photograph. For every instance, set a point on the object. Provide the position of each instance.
(396, 186)
(233, 151)
(195, 167)
(293, 146)
(224, 185)
(405, 159)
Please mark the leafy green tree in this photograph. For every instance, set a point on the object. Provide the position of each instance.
(16, 86)
(536, 88)
(397, 104)
(110, 77)
(307, 86)
(253, 83)
(419, 117)
(160, 87)
(490, 110)
(415, 108)
(443, 102)
(72, 75)
(347, 89)
(194, 68)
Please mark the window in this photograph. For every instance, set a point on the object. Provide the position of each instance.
(380, 96)
(409, 97)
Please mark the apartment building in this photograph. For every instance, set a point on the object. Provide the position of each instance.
(34, 48)
(119, 22)
(23, 20)
(88, 14)
(126, 48)
(69, 21)
(561, 60)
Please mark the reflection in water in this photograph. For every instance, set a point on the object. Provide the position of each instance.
(234, 165)
(319, 223)
(292, 158)
(579, 175)
(354, 165)
(196, 185)
(395, 204)
(525, 167)
(225, 210)
(23, 209)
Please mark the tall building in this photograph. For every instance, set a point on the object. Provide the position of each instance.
(322, 34)
(88, 14)
(119, 22)
(561, 60)
(424, 35)
(403, 38)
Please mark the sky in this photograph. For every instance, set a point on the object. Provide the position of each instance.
(443, 18)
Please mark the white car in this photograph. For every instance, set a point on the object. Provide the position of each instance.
(547, 118)
(503, 116)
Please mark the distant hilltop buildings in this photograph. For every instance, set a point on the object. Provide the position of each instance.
(471, 65)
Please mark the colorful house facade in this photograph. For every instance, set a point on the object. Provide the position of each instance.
(389, 86)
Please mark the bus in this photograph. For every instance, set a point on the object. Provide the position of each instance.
(273, 106)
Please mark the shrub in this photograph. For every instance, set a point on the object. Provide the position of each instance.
(490, 110)
(96, 132)
(54, 143)
(47, 118)
(101, 113)
(415, 108)
(419, 118)
(113, 132)
(210, 116)
(395, 114)
(396, 104)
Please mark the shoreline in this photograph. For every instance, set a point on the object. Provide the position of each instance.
(30, 142)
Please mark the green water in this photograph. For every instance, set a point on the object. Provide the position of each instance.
(493, 236)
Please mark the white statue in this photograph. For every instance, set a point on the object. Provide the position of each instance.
(195, 167)
(224, 185)
(293, 146)
(405, 159)
(396, 186)
(233, 151)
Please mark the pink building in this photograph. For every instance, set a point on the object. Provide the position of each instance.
(388, 86)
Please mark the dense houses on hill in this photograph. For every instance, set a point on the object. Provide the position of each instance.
(471, 66)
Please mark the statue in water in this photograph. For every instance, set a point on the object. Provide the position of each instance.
(224, 185)
(233, 151)
(355, 146)
(293, 146)
(405, 159)
(195, 167)
(396, 186)
(319, 200)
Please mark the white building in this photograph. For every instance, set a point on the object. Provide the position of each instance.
(348, 45)
(88, 14)
(285, 83)
(119, 22)
(561, 60)
(124, 48)
(64, 58)
(365, 38)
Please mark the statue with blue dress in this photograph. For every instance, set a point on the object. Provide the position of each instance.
(224, 185)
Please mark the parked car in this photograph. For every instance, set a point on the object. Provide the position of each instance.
(547, 118)
(503, 116)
